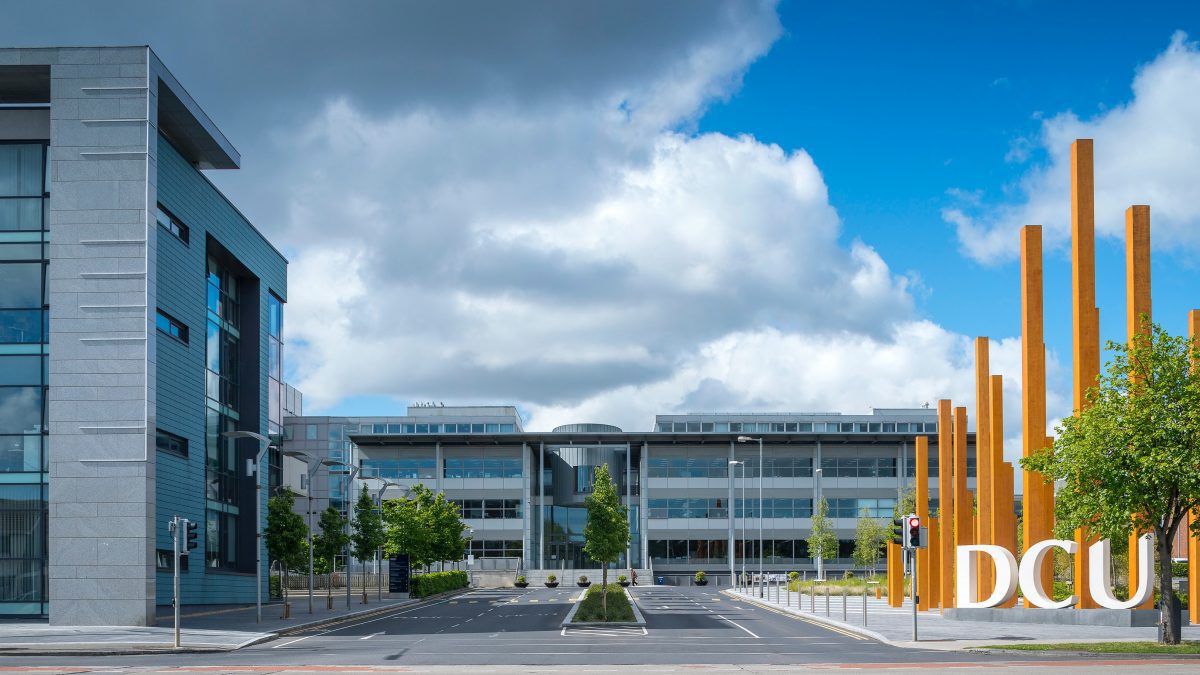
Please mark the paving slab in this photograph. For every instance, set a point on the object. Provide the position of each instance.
(894, 625)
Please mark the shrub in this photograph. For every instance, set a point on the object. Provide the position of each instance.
(582, 579)
(432, 583)
(793, 576)
(520, 578)
(621, 578)
(619, 608)
(551, 578)
(848, 575)
(276, 586)
(1179, 570)
(701, 576)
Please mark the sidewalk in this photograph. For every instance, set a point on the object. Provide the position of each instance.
(203, 628)
(894, 625)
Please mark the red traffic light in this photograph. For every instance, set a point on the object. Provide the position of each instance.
(914, 522)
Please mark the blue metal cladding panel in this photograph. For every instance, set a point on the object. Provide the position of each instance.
(181, 290)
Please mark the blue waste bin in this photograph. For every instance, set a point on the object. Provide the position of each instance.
(660, 580)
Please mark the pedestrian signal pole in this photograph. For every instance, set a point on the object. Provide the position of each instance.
(913, 539)
(174, 527)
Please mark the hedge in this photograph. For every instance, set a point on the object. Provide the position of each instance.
(619, 608)
(432, 583)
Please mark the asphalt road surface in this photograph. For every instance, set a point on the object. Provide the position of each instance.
(686, 627)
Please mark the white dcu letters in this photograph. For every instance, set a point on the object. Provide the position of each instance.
(1008, 574)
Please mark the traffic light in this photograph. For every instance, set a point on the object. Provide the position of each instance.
(898, 531)
(912, 538)
(192, 536)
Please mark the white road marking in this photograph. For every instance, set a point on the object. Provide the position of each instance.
(359, 623)
(748, 631)
(368, 637)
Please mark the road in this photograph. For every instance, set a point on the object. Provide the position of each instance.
(686, 628)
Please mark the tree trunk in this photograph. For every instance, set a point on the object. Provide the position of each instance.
(1170, 617)
(603, 592)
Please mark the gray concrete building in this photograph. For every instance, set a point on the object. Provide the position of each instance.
(140, 317)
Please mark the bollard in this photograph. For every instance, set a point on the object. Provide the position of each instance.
(843, 605)
(812, 600)
(865, 606)
(827, 602)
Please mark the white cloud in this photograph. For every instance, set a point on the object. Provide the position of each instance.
(1147, 151)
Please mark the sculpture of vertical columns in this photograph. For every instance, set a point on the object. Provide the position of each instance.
(1038, 515)
(944, 570)
(1137, 303)
(983, 459)
(1085, 317)
(925, 578)
(964, 502)
(1193, 539)
(1002, 505)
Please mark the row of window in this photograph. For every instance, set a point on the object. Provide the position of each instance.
(496, 548)
(800, 427)
(169, 325)
(773, 467)
(482, 467)
(488, 508)
(709, 551)
(771, 508)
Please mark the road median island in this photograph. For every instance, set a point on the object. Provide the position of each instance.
(622, 609)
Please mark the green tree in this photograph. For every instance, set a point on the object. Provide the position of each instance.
(1131, 458)
(286, 535)
(332, 541)
(606, 533)
(870, 536)
(822, 542)
(368, 534)
(425, 527)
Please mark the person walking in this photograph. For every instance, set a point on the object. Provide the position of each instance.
(633, 576)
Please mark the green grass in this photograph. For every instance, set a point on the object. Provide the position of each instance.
(1186, 647)
(852, 586)
(619, 608)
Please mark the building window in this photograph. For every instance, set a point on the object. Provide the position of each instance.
(166, 559)
(171, 326)
(22, 186)
(168, 442)
(171, 224)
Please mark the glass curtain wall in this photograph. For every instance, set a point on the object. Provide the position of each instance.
(23, 379)
(275, 393)
(221, 387)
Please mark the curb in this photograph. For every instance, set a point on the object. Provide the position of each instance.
(826, 621)
(365, 613)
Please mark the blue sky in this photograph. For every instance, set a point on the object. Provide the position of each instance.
(900, 102)
(603, 211)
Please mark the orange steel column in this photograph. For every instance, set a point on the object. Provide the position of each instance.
(1085, 316)
(1033, 390)
(925, 578)
(1002, 502)
(1194, 539)
(1009, 514)
(945, 558)
(983, 460)
(964, 502)
(1137, 303)
(936, 599)
(895, 575)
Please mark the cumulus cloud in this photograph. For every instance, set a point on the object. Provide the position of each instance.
(1147, 151)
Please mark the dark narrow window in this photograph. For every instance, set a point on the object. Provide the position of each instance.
(172, 326)
(168, 222)
(168, 442)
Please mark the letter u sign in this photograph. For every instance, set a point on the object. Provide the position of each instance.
(1008, 574)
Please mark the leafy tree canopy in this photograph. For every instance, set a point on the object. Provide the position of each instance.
(822, 542)
(286, 534)
(368, 534)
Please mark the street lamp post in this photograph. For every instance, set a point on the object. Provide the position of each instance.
(747, 439)
(349, 481)
(264, 446)
(312, 467)
(732, 512)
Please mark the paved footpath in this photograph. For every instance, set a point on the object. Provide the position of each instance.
(203, 628)
(894, 625)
